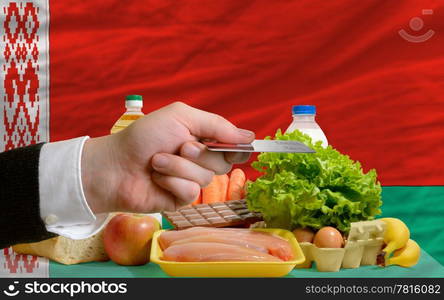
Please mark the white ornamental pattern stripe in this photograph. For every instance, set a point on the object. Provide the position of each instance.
(24, 99)
(24, 103)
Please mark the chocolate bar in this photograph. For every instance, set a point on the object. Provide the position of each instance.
(221, 214)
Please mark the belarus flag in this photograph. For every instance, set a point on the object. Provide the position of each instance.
(373, 68)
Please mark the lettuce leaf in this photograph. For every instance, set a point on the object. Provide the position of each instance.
(326, 188)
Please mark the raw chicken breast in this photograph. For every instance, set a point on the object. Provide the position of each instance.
(259, 241)
(170, 236)
(206, 252)
(212, 238)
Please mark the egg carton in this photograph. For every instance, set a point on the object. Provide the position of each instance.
(362, 247)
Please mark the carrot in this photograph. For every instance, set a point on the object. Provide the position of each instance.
(216, 191)
(236, 186)
(198, 200)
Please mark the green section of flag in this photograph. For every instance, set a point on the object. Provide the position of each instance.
(422, 209)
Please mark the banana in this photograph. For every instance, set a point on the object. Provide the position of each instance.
(396, 235)
(407, 256)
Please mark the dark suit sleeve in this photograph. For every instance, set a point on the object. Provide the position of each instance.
(20, 220)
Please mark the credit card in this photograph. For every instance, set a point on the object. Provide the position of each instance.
(261, 146)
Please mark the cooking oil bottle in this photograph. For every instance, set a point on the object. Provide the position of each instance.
(133, 104)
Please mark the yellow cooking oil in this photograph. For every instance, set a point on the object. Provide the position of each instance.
(133, 104)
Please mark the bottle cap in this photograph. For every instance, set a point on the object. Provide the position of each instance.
(304, 110)
(134, 97)
(133, 101)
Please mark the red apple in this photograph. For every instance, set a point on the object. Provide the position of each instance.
(127, 238)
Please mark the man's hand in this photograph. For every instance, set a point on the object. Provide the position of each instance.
(157, 163)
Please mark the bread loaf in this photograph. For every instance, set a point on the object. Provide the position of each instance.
(67, 251)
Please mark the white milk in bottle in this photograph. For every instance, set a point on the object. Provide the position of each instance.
(304, 121)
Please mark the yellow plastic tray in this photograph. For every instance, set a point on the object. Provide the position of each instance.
(230, 269)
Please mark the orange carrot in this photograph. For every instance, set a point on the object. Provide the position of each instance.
(198, 200)
(236, 186)
(216, 191)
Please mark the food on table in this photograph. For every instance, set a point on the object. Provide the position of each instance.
(314, 190)
(236, 185)
(223, 188)
(246, 238)
(396, 235)
(127, 238)
(65, 250)
(407, 256)
(328, 192)
(328, 237)
(223, 214)
(216, 191)
(208, 252)
(400, 249)
(362, 246)
(304, 235)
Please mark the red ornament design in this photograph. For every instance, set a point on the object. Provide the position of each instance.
(12, 261)
(21, 109)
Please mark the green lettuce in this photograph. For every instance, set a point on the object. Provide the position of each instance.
(319, 189)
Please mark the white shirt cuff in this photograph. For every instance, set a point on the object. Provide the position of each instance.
(63, 206)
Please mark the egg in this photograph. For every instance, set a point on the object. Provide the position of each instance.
(328, 237)
(303, 235)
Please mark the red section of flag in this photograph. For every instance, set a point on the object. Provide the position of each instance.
(379, 96)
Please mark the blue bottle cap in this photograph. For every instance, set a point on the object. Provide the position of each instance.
(304, 110)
